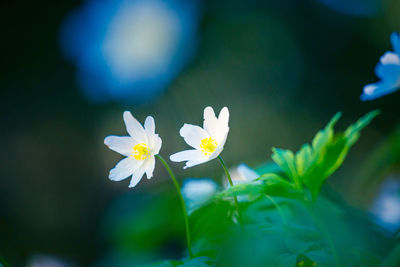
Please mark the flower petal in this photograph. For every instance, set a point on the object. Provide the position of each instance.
(223, 128)
(210, 123)
(192, 163)
(388, 73)
(123, 169)
(193, 135)
(156, 144)
(193, 157)
(223, 117)
(395, 39)
(149, 125)
(185, 155)
(137, 175)
(121, 144)
(390, 58)
(373, 91)
(134, 128)
(151, 164)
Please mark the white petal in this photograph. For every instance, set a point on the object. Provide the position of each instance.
(137, 175)
(192, 163)
(149, 125)
(223, 128)
(193, 157)
(210, 123)
(193, 135)
(223, 117)
(121, 144)
(216, 152)
(123, 169)
(134, 128)
(191, 154)
(150, 167)
(156, 144)
(390, 58)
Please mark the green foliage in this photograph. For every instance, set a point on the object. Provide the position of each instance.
(269, 184)
(195, 262)
(314, 163)
(278, 224)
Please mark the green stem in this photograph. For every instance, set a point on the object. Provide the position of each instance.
(185, 214)
(231, 183)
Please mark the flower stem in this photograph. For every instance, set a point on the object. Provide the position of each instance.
(231, 183)
(185, 214)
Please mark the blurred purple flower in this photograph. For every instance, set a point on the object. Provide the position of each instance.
(388, 70)
(129, 50)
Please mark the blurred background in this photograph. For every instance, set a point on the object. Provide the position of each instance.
(70, 69)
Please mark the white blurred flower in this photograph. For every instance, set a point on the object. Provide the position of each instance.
(139, 148)
(241, 174)
(208, 142)
(198, 191)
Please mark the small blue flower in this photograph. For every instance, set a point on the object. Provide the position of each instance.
(129, 50)
(388, 70)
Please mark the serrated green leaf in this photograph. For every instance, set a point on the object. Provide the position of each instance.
(304, 159)
(285, 160)
(312, 165)
(352, 133)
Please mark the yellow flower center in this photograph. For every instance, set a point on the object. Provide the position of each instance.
(141, 151)
(208, 146)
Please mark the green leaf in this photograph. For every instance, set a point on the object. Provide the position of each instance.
(314, 163)
(171, 263)
(198, 262)
(286, 259)
(269, 184)
(285, 160)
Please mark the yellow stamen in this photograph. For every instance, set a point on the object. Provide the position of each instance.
(208, 146)
(140, 151)
(300, 263)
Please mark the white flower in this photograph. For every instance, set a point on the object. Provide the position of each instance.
(241, 174)
(139, 149)
(198, 191)
(208, 142)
